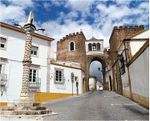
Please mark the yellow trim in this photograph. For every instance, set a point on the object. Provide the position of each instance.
(141, 100)
(144, 101)
(45, 97)
(2, 104)
(142, 49)
(126, 93)
(22, 31)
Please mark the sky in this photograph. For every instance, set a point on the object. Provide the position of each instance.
(61, 17)
(96, 70)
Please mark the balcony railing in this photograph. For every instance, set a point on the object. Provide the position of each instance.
(35, 86)
(3, 79)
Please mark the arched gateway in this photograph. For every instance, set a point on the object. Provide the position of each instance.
(84, 52)
(95, 54)
(101, 59)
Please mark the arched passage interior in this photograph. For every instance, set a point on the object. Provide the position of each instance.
(96, 69)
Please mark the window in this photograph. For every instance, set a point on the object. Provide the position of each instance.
(72, 46)
(98, 47)
(94, 47)
(90, 47)
(2, 43)
(59, 76)
(34, 51)
(33, 75)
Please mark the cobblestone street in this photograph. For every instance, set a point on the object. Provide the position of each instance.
(99, 105)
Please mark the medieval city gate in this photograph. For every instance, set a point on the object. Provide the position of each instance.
(101, 59)
(74, 47)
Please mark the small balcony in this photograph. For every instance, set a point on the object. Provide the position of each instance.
(3, 79)
(35, 86)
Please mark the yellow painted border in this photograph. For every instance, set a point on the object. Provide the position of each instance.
(45, 97)
(2, 104)
(126, 93)
(141, 100)
(144, 101)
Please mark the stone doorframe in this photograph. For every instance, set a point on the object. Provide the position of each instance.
(102, 59)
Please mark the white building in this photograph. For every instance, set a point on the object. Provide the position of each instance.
(65, 76)
(12, 44)
(48, 79)
(134, 66)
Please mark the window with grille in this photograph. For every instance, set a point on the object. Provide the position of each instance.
(2, 43)
(59, 75)
(34, 51)
(33, 75)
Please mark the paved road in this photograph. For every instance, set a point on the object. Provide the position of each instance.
(100, 105)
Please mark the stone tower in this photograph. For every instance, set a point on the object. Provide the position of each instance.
(72, 48)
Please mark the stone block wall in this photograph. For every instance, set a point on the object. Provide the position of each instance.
(78, 55)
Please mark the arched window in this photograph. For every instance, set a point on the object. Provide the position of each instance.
(98, 46)
(72, 46)
(94, 47)
(90, 47)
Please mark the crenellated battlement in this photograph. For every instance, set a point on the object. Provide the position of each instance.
(71, 35)
(129, 27)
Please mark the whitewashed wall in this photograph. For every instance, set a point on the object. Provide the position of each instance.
(136, 45)
(14, 69)
(66, 87)
(139, 74)
(87, 42)
(109, 73)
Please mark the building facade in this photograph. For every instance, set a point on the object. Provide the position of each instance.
(12, 45)
(135, 73)
(127, 73)
(49, 79)
(74, 47)
(116, 39)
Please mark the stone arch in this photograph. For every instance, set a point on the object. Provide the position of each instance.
(101, 59)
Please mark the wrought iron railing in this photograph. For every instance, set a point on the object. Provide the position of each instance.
(35, 86)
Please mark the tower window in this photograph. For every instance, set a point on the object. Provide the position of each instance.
(94, 47)
(98, 47)
(72, 46)
(90, 47)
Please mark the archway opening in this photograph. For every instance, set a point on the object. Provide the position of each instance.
(96, 75)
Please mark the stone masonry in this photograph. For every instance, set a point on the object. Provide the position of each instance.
(116, 39)
(79, 55)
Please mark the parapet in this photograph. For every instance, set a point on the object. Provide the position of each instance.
(70, 35)
(129, 27)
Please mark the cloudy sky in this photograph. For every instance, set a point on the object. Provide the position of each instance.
(61, 17)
